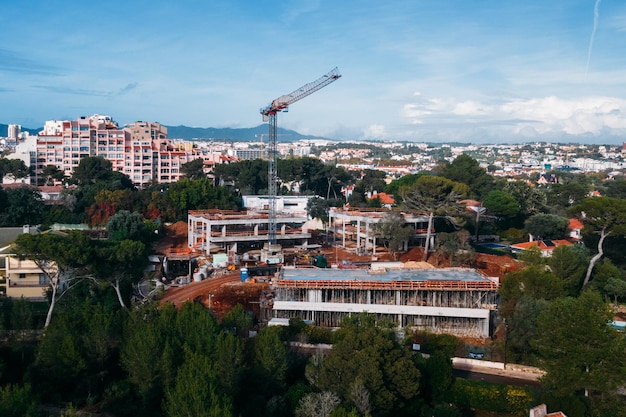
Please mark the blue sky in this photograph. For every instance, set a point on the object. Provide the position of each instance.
(421, 70)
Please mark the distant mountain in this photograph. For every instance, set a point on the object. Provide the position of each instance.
(249, 134)
(4, 130)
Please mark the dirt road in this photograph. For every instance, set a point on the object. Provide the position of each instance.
(197, 290)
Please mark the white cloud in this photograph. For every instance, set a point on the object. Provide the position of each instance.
(541, 115)
(374, 131)
(575, 116)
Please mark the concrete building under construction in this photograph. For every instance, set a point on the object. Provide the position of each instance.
(457, 301)
(222, 231)
(354, 229)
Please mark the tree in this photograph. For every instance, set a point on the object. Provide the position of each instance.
(616, 188)
(237, 321)
(360, 397)
(25, 206)
(533, 281)
(372, 355)
(501, 204)
(578, 349)
(521, 326)
(106, 203)
(547, 226)
(568, 263)
(51, 173)
(117, 262)
(455, 247)
(16, 168)
(466, 170)
(434, 196)
(176, 199)
(438, 377)
(126, 225)
(616, 286)
(21, 317)
(393, 232)
(92, 169)
(62, 260)
(373, 180)
(317, 207)
(566, 195)
(320, 404)
(404, 181)
(531, 200)
(193, 170)
(17, 401)
(271, 359)
(605, 216)
(196, 392)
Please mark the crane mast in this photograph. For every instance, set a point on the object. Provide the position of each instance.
(269, 113)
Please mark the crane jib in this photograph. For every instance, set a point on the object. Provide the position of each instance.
(269, 114)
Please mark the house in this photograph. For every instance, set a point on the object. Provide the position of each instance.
(575, 229)
(547, 179)
(19, 277)
(542, 411)
(387, 200)
(545, 246)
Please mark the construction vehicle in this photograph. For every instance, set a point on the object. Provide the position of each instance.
(269, 113)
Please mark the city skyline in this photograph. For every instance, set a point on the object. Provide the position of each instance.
(423, 71)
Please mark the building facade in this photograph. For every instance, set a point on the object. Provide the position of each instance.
(457, 301)
(141, 150)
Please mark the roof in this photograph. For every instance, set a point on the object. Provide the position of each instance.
(8, 235)
(418, 274)
(542, 244)
(384, 198)
(575, 224)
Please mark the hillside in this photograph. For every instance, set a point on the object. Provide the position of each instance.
(208, 133)
(241, 134)
(4, 130)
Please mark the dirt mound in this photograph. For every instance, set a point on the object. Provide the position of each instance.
(174, 237)
(495, 265)
(413, 254)
(229, 295)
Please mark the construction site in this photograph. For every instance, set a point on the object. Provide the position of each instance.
(271, 262)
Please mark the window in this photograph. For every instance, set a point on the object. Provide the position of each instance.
(22, 276)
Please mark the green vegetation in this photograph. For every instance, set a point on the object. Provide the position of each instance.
(90, 346)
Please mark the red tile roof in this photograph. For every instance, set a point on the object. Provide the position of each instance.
(384, 198)
(575, 224)
(541, 244)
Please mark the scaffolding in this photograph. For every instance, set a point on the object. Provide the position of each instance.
(462, 306)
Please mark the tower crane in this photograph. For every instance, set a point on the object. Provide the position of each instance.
(269, 113)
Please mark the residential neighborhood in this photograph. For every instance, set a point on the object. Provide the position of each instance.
(432, 240)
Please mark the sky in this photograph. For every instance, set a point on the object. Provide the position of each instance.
(477, 71)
